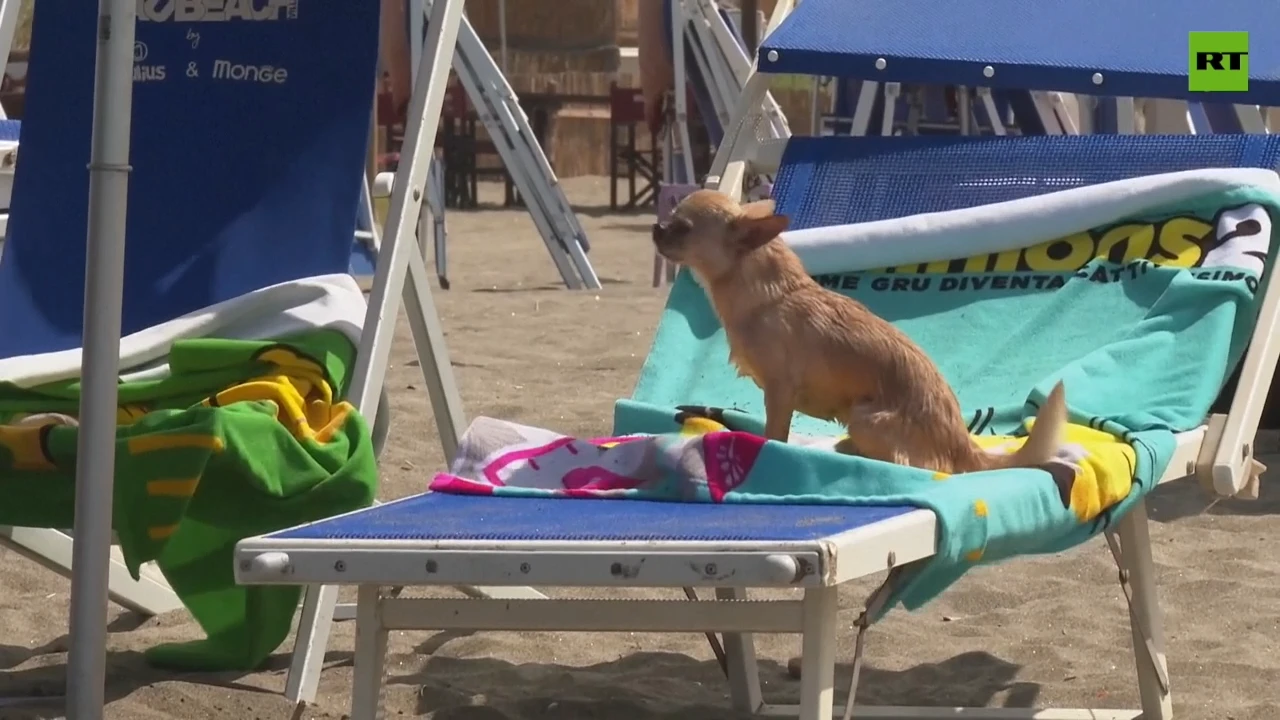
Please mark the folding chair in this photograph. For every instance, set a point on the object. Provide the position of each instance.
(512, 137)
(562, 542)
(438, 538)
(236, 186)
(195, 238)
(626, 160)
(711, 66)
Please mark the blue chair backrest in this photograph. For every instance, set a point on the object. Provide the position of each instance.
(838, 180)
(250, 125)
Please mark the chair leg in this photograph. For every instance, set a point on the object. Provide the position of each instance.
(740, 656)
(1145, 617)
(631, 165)
(613, 165)
(311, 643)
(371, 656)
(818, 653)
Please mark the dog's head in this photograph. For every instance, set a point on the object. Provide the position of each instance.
(711, 233)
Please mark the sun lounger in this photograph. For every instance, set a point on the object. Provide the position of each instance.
(243, 204)
(959, 212)
(441, 538)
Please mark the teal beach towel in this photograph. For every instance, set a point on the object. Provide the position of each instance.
(1140, 296)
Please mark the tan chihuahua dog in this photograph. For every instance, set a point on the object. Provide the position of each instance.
(824, 354)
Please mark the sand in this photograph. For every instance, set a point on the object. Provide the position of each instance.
(1048, 631)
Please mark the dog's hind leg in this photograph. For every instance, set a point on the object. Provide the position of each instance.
(887, 436)
(779, 406)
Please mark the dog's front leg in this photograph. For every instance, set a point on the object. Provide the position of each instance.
(779, 405)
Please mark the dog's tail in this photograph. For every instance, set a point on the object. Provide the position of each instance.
(1045, 437)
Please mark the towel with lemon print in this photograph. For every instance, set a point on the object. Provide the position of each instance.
(983, 517)
(240, 438)
(707, 454)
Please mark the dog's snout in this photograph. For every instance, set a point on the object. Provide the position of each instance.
(659, 231)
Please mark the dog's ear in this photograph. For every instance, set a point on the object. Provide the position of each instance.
(754, 232)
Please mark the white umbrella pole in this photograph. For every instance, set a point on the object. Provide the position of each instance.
(104, 288)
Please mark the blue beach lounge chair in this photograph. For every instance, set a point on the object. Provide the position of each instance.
(998, 256)
(449, 539)
(248, 150)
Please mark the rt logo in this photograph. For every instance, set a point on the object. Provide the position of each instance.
(1218, 62)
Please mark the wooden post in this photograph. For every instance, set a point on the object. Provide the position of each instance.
(750, 26)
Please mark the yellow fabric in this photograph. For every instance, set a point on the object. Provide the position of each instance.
(299, 389)
(1104, 466)
(297, 386)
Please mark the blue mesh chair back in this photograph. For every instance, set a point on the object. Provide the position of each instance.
(838, 180)
(248, 147)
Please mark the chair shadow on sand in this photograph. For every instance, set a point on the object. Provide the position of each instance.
(674, 686)
(1184, 498)
(127, 671)
(638, 686)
